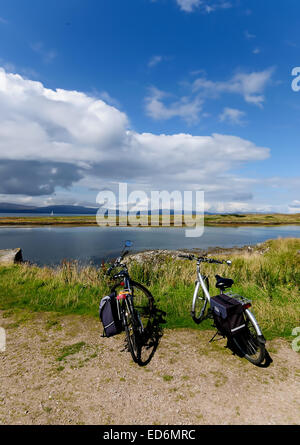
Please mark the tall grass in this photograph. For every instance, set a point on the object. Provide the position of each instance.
(270, 277)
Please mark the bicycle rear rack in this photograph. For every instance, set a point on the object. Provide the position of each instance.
(238, 297)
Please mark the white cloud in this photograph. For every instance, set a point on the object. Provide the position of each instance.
(294, 207)
(249, 36)
(161, 105)
(188, 5)
(155, 60)
(232, 115)
(47, 55)
(203, 5)
(52, 139)
(250, 85)
(185, 108)
(106, 97)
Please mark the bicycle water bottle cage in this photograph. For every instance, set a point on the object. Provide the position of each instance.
(223, 283)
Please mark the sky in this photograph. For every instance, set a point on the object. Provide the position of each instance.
(160, 94)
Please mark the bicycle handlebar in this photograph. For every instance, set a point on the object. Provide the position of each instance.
(204, 260)
(117, 262)
(188, 257)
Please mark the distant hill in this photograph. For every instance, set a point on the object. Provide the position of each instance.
(68, 209)
(81, 210)
(65, 209)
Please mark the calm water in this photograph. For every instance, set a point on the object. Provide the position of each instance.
(50, 245)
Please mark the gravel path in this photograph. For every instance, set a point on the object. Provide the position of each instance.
(59, 370)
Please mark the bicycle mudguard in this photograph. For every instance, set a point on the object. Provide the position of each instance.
(261, 339)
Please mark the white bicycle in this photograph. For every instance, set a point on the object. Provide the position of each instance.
(249, 342)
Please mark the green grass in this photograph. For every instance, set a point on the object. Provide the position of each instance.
(270, 277)
(90, 220)
(167, 378)
(70, 350)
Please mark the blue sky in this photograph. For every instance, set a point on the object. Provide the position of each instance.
(165, 67)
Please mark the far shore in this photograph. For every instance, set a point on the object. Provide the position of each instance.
(257, 219)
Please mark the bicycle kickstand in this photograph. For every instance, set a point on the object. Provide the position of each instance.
(212, 339)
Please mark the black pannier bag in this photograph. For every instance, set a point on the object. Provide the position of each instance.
(228, 314)
(108, 313)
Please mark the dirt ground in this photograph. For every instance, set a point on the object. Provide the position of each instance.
(59, 370)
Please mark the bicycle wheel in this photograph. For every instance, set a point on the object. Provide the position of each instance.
(200, 305)
(132, 331)
(249, 344)
(137, 320)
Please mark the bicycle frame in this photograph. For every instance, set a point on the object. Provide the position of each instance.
(129, 298)
(129, 303)
(200, 282)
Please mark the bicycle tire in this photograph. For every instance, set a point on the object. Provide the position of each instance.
(200, 305)
(134, 317)
(131, 331)
(250, 344)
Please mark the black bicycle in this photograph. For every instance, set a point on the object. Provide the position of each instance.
(136, 311)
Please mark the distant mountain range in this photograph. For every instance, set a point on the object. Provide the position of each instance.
(63, 209)
(6, 207)
(69, 209)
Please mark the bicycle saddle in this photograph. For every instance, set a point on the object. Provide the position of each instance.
(223, 283)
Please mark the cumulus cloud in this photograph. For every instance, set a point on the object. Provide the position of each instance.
(53, 139)
(36, 178)
(249, 85)
(232, 116)
(186, 108)
(161, 105)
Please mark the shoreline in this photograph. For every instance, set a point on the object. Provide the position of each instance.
(226, 220)
(152, 254)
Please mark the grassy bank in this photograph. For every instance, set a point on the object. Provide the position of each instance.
(269, 275)
(87, 220)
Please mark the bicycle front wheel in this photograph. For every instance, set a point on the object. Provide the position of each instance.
(249, 343)
(200, 304)
(132, 331)
(137, 319)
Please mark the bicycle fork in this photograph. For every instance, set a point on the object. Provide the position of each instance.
(199, 282)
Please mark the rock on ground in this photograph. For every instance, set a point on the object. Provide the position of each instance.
(10, 256)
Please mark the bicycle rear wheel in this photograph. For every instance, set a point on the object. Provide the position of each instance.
(200, 304)
(249, 343)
